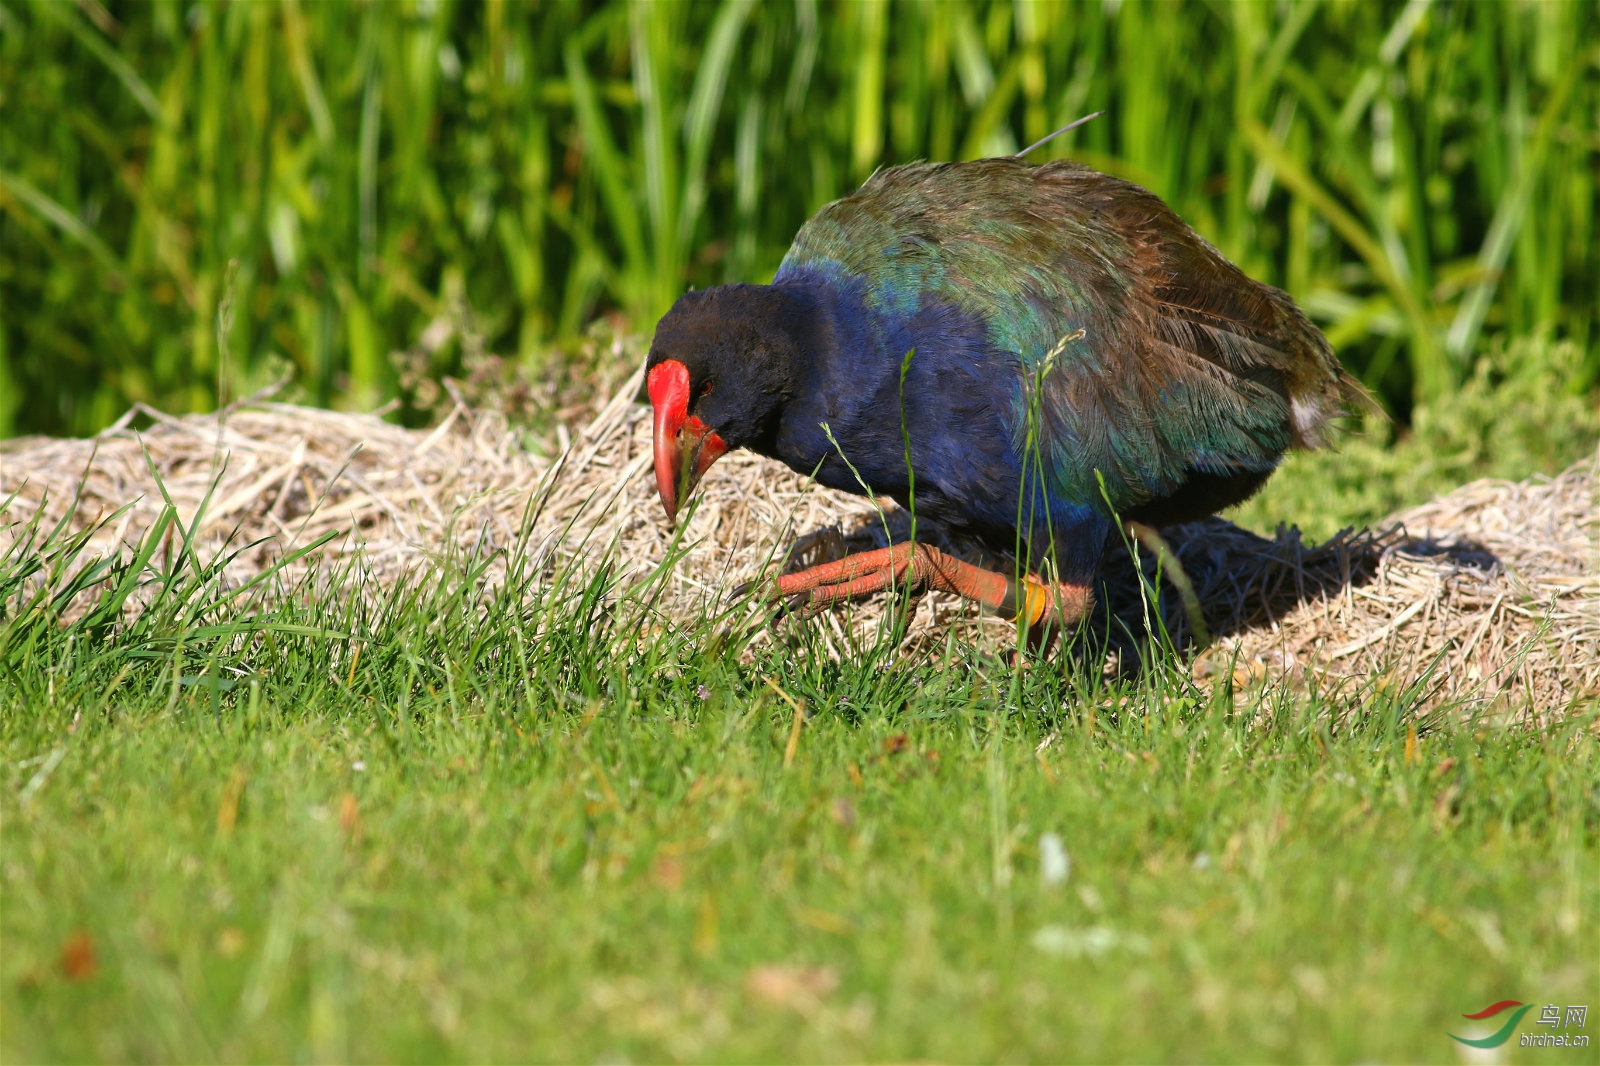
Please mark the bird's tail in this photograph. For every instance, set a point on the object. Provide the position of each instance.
(1316, 410)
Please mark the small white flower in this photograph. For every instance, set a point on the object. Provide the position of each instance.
(1055, 865)
(1091, 942)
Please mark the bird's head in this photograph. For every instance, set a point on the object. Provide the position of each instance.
(721, 366)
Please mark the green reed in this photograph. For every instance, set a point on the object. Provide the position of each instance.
(1420, 175)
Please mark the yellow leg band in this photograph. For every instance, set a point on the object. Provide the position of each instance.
(1035, 601)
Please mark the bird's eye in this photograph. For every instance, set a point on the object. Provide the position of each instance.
(705, 388)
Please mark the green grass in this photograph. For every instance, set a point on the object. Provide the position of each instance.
(477, 824)
(1420, 176)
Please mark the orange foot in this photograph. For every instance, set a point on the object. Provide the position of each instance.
(923, 567)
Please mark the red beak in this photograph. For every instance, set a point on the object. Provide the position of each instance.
(685, 447)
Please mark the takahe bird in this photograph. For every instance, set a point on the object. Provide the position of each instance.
(1054, 347)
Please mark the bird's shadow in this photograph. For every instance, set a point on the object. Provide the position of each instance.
(1240, 579)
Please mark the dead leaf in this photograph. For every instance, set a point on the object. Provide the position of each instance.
(705, 928)
(667, 873)
(228, 809)
(231, 941)
(78, 959)
(827, 921)
(799, 988)
(349, 814)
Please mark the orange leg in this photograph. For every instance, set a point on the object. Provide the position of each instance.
(924, 567)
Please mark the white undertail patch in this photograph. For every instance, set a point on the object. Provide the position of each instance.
(1308, 415)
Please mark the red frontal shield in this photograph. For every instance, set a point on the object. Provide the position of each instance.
(685, 447)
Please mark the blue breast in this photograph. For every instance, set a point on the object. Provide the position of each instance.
(956, 409)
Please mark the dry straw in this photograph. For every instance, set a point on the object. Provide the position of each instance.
(1487, 598)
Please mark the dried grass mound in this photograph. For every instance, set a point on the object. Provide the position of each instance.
(397, 499)
(1489, 595)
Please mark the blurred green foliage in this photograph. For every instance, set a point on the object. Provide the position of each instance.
(1513, 417)
(1420, 175)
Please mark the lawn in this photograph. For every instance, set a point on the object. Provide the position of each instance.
(445, 822)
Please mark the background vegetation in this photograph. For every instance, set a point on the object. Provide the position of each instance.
(1420, 175)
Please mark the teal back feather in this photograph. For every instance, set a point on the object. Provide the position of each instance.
(1142, 353)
